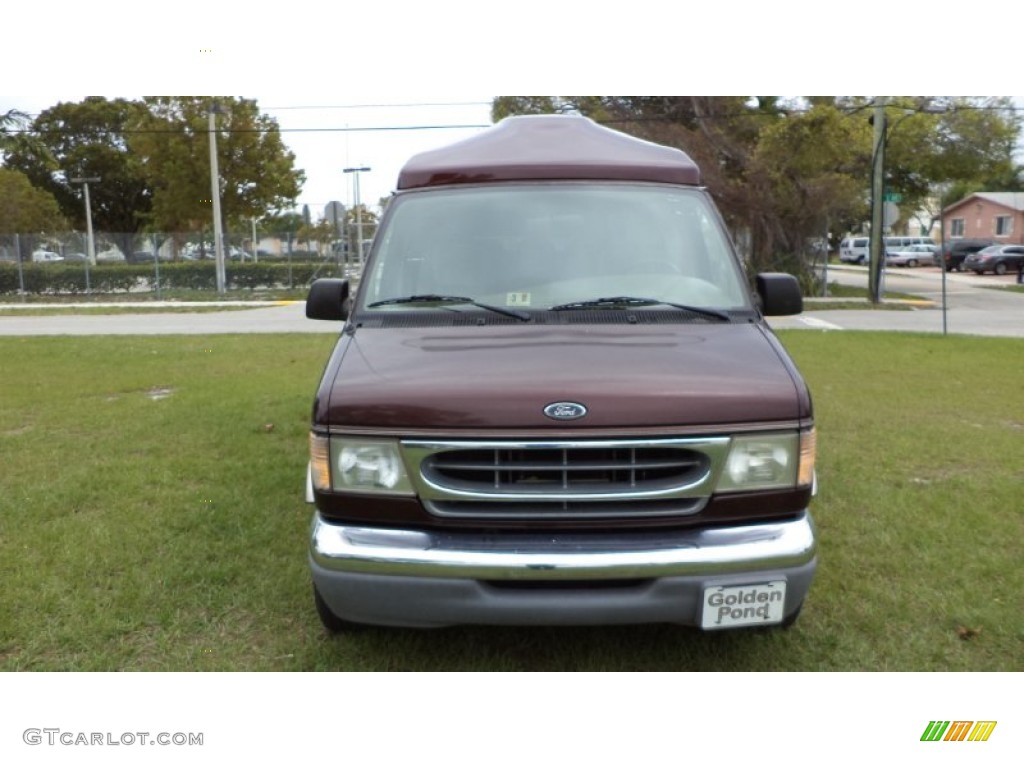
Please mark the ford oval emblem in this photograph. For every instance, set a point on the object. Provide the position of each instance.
(565, 411)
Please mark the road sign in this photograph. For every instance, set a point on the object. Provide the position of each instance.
(892, 197)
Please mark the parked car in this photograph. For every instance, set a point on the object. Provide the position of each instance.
(998, 259)
(75, 258)
(235, 253)
(110, 256)
(555, 401)
(855, 250)
(953, 252)
(903, 242)
(911, 256)
(46, 257)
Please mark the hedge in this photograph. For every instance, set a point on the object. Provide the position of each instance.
(120, 278)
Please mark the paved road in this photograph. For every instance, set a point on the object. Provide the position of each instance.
(276, 318)
(972, 308)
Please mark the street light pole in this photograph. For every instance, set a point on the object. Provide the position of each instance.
(218, 235)
(359, 212)
(877, 184)
(942, 264)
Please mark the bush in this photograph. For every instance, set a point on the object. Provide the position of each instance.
(61, 279)
(67, 278)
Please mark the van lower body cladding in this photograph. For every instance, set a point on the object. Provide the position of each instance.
(428, 579)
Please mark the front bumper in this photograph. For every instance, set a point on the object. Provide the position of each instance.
(428, 579)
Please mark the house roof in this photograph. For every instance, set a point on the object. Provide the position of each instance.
(1011, 200)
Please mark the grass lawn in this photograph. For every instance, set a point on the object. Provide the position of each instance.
(151, 517)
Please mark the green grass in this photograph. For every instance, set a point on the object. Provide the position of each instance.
(140, 532)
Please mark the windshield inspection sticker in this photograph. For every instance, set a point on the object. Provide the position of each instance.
(746, 605)
(517, 299)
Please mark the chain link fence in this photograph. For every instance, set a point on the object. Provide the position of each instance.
(62, 263)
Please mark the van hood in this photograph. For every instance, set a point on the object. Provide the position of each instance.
(503, 377)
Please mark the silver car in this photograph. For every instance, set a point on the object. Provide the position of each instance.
(911, 256)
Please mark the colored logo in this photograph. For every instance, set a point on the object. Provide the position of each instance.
(958, 730)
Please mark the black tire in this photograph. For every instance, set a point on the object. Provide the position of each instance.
(1000, 268)
(912, 263)
(333, 624)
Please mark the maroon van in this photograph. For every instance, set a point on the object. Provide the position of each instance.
(555, 400)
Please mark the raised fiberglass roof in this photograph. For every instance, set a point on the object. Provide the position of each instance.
(548, 147)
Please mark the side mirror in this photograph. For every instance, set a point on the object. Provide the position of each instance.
(328, 299)
(780, 294)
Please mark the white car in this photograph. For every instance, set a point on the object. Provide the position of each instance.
(45, 257)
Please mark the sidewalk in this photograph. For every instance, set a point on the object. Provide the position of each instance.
(145, 304)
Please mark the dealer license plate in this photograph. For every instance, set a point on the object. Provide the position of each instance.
(743, 606)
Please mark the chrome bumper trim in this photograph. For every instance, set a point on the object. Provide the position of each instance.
(757, 547)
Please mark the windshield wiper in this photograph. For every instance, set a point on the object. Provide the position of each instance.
(434, 298)
(615, 302)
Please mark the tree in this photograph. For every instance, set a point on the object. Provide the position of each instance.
(257, 172)
(813, 162)
(24, 208)
(11, 123)
(89, 139)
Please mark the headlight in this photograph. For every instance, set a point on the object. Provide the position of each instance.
(368, 466)
(759, 462)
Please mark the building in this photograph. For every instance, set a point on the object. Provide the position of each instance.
(997, 216)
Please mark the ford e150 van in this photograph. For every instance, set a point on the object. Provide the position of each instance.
(555, 400)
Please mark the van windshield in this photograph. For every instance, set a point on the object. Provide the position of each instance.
(538, 246)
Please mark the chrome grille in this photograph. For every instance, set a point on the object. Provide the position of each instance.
(570, 480)
(577, 470)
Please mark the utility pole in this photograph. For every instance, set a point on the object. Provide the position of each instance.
(218, 235)
(90, 243)
(877, 248)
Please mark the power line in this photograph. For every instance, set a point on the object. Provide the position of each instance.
(386, 106)
(226, 130)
